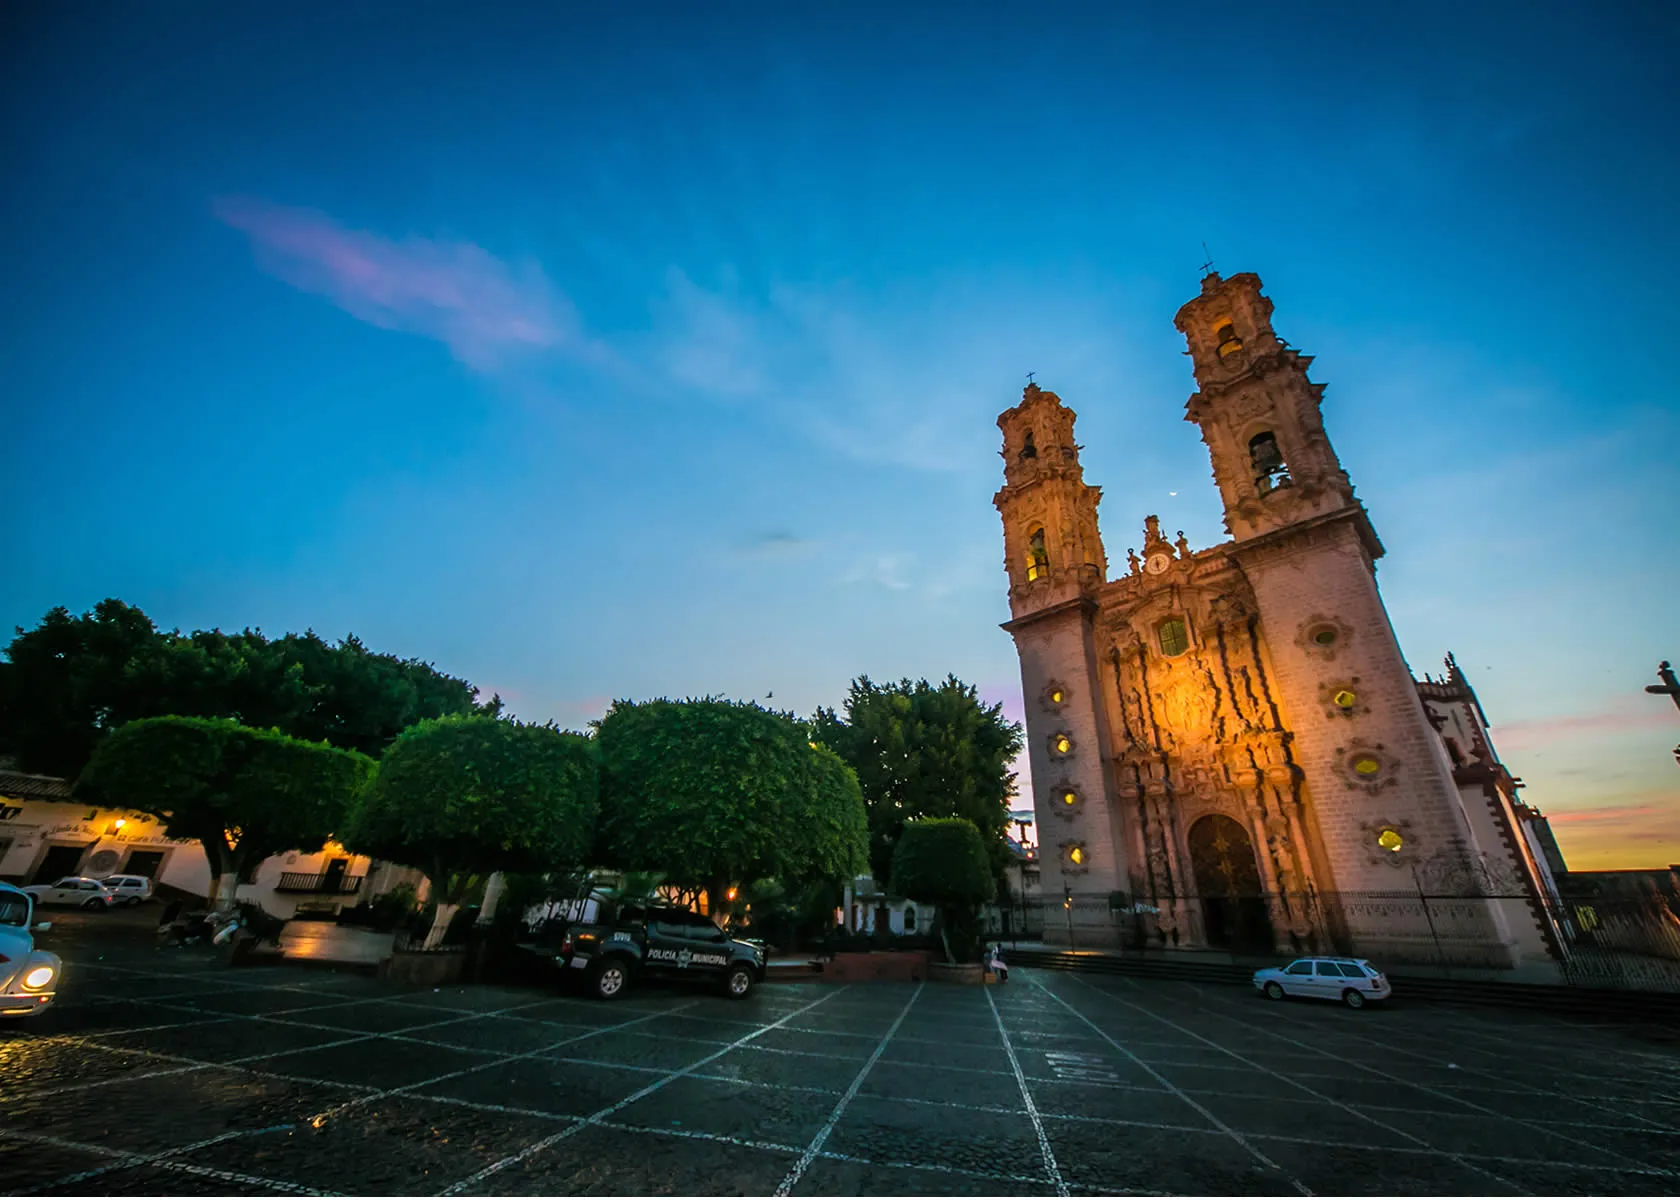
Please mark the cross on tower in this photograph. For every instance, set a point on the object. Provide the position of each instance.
(1670, 687)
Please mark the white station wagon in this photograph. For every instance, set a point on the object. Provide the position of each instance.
(1353, 981)
(75, 890)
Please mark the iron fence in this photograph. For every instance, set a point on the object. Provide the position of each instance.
(1596, 941)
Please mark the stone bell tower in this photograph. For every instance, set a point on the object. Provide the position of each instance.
(1054, 558)
(1376, 778)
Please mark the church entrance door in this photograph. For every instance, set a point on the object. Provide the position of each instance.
(1228, 882)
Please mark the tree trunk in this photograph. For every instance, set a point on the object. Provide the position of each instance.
(492, 897)
(224, 887)
(943, 939)
(440, 925)
(718, 904)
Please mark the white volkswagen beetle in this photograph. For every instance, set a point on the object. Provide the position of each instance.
(28, 977)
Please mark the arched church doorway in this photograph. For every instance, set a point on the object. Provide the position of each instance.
(1228, 882)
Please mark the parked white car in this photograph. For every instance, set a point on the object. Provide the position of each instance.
(129, 890)
(75, 890)
(1353, 981)
(28, 977)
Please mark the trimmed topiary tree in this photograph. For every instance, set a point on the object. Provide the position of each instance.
(244, 793)
(463, 797)
(942, 861)
(711, 793)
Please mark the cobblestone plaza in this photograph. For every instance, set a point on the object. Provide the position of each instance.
(166, 1073)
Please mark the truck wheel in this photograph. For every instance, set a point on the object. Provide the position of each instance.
(611, 978)
(739, 982)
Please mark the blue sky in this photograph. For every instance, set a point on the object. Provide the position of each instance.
(611, 353)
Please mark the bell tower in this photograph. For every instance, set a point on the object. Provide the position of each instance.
(1051, 546)
(1260, 415)
(1362, 754)
(1054, 559)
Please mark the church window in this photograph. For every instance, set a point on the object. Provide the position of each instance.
(1367, 764)
(1174, 636)
(910, 919)
(1324, 637)
(1028, 449)
(1038, 558)
(1228, 339)
(1270, 471)
(1390, 840)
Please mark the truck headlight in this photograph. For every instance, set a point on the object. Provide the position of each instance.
(39, 978)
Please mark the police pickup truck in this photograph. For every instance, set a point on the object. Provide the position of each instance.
(628, 943)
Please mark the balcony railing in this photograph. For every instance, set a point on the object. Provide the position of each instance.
(319, 885)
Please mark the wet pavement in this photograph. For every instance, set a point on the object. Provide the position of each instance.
(167, 1073)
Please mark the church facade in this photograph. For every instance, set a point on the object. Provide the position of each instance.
(1227, 743)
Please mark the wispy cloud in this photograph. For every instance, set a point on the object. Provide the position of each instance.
(1544, 732)
(778, 544)
(487, 311)
(899, 381)
(883, 570)
(1616, 813)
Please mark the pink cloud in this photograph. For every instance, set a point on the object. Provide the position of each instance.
(456, 293)
(1543, 731)
(1617, 813)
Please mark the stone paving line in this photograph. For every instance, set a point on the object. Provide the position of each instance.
(1317, 1095)
(1206, 1114)
(91, 1038)
(1044, 1148)
(607, 1111)
(1515, 1087)
(403, 1035)
(811, 1151)
(1286, 1012)
(863, 1011)
(1627, 1164)
(131, 1159)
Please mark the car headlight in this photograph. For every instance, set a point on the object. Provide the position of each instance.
(39, 978)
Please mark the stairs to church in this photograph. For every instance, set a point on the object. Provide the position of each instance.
(1659, 1007)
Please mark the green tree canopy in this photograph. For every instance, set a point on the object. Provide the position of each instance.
(943, 861)
(244, 793)
(924, 751)
(68, 682)
(463, 797)
(712, 792)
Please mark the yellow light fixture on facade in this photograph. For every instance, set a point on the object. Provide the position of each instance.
(1345, 699)
(1056, 696)
(1070, 798)
(1063, 744)
(119, 823)
(1391, 841)
(1365, 764)
(1077, 855)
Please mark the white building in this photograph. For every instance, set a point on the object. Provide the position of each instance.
(46, 835)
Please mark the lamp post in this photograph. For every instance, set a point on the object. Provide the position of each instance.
(1669, 687)
(1023, 826)
(1067, 908)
